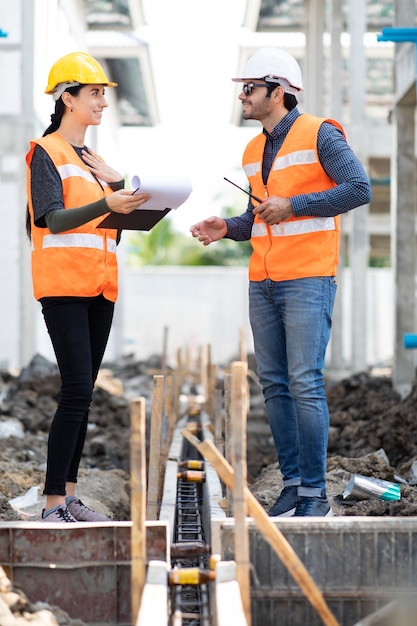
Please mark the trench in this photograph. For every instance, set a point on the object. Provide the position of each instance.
(190, 553)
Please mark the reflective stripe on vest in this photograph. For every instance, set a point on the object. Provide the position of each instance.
(69, 169)
(299, 157)
(252, 168)
(78, 240)
(286, 229)
(299, 247)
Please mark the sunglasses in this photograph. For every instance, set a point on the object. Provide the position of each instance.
(249, 87)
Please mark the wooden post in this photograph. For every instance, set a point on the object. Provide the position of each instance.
(155, 447)
(167, 430)
(178, 383)
(137, 502)
(170, 407)
(218, 420)
(210, 394)
(270, 532)
(164, 358)
(242, 346)
(228, 439)
(241, 538)
(204, 370)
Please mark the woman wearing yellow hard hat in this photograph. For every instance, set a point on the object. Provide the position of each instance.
(74, 267)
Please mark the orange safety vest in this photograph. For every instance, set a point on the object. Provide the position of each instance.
(300, 247)
(78, 262)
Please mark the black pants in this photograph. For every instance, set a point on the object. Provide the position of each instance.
(79, 329)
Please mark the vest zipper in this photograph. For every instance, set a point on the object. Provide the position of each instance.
(266, 195)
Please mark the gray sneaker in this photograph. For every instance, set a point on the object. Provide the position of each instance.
(61, 515)
(83, 513)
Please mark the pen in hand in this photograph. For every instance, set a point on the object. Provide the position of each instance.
(244, 190)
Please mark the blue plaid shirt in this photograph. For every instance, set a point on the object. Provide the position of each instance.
(338, 161)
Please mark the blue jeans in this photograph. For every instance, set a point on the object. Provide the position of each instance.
(291, 324)
(79, 329)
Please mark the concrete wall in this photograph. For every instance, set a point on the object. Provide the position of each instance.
(360, 564)
(209, 305)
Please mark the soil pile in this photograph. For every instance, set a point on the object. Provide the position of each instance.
(372, 433)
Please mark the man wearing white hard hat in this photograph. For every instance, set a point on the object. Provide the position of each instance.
(302, 176)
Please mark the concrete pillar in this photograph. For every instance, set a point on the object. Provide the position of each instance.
(403, 209)
(16, 128)
(403, 243)
(314, 60)
(335, 20)
(359, 240)
(28, 305)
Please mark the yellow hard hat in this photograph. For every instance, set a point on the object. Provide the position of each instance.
(76, 68)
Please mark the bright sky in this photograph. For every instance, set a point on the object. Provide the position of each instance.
(194, 48)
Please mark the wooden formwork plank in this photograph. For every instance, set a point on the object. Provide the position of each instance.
(218, 420)
(210, 394)
(170, 407)
(179, 377)
(164, 356)
(155, 447)
(227, 438)
(167, 426)
(138, 502)
(241, 538)
(242, 346)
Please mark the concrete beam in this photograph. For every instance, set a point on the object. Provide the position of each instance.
(357, 563)
(93, 561)
(314, 59)
(405, 74)
(228, 601)
(404, 244)
(154, 603)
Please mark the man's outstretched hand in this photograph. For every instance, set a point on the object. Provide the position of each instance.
(209, 230)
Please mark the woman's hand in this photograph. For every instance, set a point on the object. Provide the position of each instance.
(99, 168)
(209, 230)
(123, 201)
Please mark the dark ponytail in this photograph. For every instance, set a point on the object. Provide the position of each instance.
(56, 118)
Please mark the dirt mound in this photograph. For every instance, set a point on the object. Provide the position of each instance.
(372, 433)
(28, 404)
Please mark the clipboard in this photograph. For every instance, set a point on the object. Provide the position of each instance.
(164, 190)
(137, 220)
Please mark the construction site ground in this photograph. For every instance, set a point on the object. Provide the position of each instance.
(372, 433)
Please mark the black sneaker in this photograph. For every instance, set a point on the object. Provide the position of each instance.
(313, 507)
(61, 515)
(286, 503)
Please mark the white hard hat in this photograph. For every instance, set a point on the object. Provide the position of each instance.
(275, 66)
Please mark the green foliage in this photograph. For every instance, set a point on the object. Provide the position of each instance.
(379, 261)
(163, 245)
